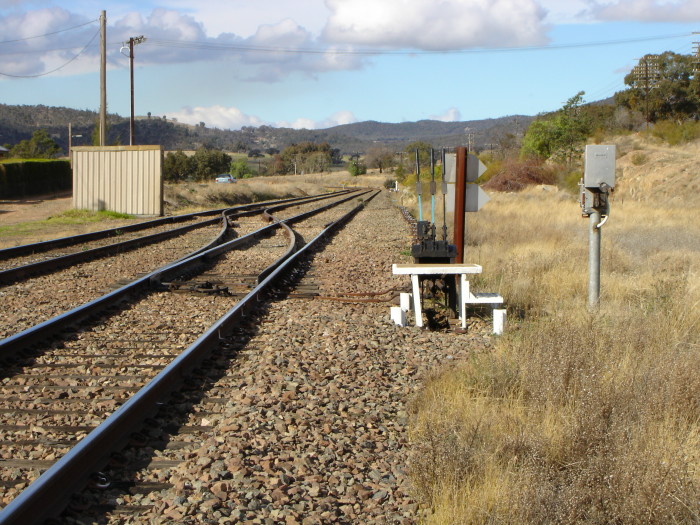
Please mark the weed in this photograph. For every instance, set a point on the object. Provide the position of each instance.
(675, 133)
(573, 417)
(77, 216)
(639, 158)
(515, 175)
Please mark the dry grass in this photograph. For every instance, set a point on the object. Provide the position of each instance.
(573, 417)
(46, 218)
(190, 197)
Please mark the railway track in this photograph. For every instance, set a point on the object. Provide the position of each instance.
(70, 403)
(20, 262)
(43, 289)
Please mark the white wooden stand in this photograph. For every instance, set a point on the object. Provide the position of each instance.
(416, 271)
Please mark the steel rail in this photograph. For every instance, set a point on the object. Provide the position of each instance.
(57, 263)
(50, 265)
(35, 334)
(49, 494)
(51, 244)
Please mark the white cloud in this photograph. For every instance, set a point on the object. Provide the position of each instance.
(300, 123)
(647, 10)
(341, 117)
(233, 118)
(172, 37)
(26, 52)
(215, 117)
(430, 25)
(566, 11)
(244, 18)
(336, 119)
(451, 115)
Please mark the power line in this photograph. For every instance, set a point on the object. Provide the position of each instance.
(211, 46)
(48, 34)
(59, 67)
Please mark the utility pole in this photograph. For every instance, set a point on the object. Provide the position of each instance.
(103, 78)
(647, 73)
(132, 42)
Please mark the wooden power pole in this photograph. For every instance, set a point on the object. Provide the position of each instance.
(103, 78)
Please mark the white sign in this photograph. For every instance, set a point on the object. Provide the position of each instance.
(475, 168)
(476, 198)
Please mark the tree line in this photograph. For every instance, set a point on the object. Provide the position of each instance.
(305, 157)
(663, 91)
(668, 97)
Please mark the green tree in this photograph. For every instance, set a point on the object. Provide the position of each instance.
(177, 167)
(423, 154)
(40, 146)
(560, 135)
(380, 157)
(663, 87)
(356, 167)
(240, 169)
(304, 156)
(575, 126)
(210, 162)
(317, 162)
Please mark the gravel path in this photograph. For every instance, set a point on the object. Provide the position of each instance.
(313, 427)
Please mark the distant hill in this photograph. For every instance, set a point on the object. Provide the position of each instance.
(435, 132)
(19, 122)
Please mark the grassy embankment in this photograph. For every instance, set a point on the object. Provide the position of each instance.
(69, 222)
(572, 416)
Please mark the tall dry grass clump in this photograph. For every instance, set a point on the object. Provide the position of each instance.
(572, 417)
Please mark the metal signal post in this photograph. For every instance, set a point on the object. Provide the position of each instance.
(598, 181)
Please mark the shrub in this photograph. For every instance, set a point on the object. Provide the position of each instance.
(240, 169)
(493, 167)
(675, 133)
(569, 181)
(356, 168)
(515, 175)
(34, 177)
(639, 159)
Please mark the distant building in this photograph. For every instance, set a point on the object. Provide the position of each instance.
(4, 152)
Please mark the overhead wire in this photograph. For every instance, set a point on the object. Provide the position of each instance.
(215, 46)
(617, 84)
(48, 34)
(59, 67)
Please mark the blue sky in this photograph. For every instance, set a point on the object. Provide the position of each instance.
(317, 63)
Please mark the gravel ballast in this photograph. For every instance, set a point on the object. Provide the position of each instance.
(314, 424)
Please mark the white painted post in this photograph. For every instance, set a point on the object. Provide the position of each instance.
(398, 315)
(463, 296)
(499, 321)
(405, 301)
(415, 281)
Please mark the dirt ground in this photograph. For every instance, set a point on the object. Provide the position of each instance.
(21, 220)
(33, 208)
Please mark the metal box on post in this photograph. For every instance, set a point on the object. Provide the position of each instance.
(599, 174)
(598, 179)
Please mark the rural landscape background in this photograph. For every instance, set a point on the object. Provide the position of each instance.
(572, 416)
